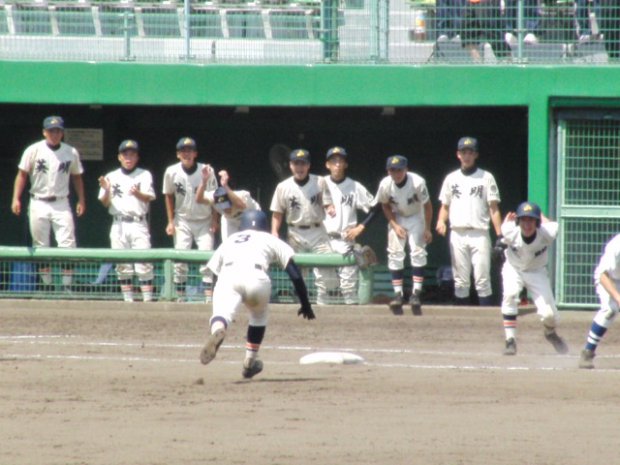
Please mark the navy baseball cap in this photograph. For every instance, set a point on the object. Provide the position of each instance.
(53, 122)
(468, 143)
(300, 155)
(336, 151)
(128, 145)
(186, 142)
(396, 162)
(221, 200)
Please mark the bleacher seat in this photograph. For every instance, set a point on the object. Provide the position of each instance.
(112, 18)
(160, 21)
(206, 23)
(75, 20)
(289, 24)
(4, 27)
(451, 51)
(544, 52)
(245, 24)
(32, 19)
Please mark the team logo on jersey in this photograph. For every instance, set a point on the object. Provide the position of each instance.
(347, 200)
(294, 203)
(180, 188)
(455, 191)
(541, 251)
(41, 166)
(64, 167)
(314, 200)
(116, 190)
(476, 191)
(410, 200)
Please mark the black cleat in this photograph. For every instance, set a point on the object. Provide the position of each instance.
(251, 367)
(511, 347)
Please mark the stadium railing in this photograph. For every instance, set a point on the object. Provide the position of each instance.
(94, 277)
(310, 31)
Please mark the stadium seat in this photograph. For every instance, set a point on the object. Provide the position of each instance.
(206, 23)
(112, 18)
(76, 20)
(245, 24)
(544, 52)
(32, 19)
(160, 21)
(451, 51)
(289, 24)
(4, 27)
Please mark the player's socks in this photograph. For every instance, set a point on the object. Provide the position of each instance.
(208, 291)
(510, 326)
(127, 290)
(595, 335)
(417, 279)
(254, 339)
(397, 281)
(146, 287)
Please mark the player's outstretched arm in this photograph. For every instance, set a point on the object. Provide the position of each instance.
(294, 273)
(78, 184)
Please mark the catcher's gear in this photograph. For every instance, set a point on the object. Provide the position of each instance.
(306, 311)
(364, 256)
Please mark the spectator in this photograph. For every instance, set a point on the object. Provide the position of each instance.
(482, 21)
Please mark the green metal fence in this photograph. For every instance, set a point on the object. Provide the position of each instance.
(93, 275)
(588, 200)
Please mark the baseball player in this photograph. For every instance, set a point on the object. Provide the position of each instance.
(127, 193)
(528, 234)
(469, 199)
(406, 204)
(303, 199)
(49, 165)
(188, 221)
(348, 196)
(228, 203)
(241, 263)
(607, 282)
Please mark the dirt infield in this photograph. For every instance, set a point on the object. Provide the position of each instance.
(121, 384)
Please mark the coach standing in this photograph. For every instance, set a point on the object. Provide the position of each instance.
(49, 164)
(469, 199)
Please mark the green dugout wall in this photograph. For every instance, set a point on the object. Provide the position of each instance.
(237, 113)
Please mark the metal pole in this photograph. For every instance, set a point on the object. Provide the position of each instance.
(187, 30)
(374, 29)
(127, 34)
(520, 29)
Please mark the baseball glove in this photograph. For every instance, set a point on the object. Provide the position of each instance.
(364, 256)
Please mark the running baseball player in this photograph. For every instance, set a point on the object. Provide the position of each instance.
(528, 234)
(242, 263)
(406, 204)
(228, 203)
(127, 193)
(189, 221)
(469, 199)
(348, 196)
(607, 282)
(302, 200)
(49, 165)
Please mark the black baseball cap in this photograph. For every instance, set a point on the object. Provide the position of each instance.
(468, 143)
(53, 122)
(128, 145)
(186, 142)
(300, 155)
(396, 162)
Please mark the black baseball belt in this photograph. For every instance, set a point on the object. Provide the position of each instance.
(50, 198)
(129, 219)
(304, 226)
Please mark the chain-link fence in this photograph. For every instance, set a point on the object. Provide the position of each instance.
(313, 31)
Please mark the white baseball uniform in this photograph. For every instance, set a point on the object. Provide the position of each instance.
(230, 221)
(407, 204)
(242, 265)
(49, 174)
(348, 196)
(130, 228)
(526, 266)
(468, 197)
(303, 207)
(609, 263)
(192, 220)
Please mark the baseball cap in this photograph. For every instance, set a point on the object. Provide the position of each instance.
(128, 145)
(186, 142)
(396, 162)
(336, 151)
(221, 200)
(53, 122)
(470, 143)
(300, 155)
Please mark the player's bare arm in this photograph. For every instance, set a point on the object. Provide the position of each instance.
(18, 188)
(104, 183)
(235, 200)
(610, 287)
(428, 220)
(169, 201)
(510, 216)
(78, 184)
(496, 217)
(391, 219)
(276, 222)
(442, 220)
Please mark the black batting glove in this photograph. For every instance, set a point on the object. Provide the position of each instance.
(306, 312)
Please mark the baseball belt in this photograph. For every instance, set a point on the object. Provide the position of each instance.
(304, 226)
(51, 198)
(129, 219)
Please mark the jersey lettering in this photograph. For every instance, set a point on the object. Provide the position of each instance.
(64, 167)
(476, 191)
(294, 203)
(540, 252)
(454, 189)
(242, 238)
(41, 166)
(180, 188)
(314, 200)
(347, 200)
(116, 190)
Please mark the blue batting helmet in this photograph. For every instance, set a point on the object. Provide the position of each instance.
(530, 210)
(253, 219)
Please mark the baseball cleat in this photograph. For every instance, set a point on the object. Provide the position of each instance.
(511, 347)
(416, 305)
(587, 359)
(558, 343)
(396, 304)
(251, 367)
(210, 349)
